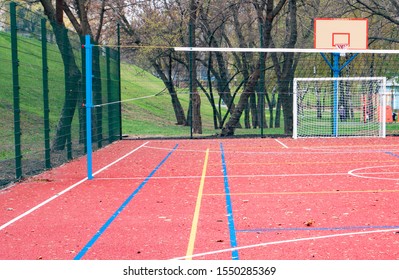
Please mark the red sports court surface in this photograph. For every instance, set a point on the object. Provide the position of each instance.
(247, 199)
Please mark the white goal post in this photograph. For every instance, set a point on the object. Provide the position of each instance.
(339, 107)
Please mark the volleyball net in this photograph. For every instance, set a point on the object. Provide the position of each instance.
(250, 91)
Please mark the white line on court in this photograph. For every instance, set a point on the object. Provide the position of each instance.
(230, 176)
(355, 173)
(299, 150)
(281, 143)
(67, 189)
(287, 241)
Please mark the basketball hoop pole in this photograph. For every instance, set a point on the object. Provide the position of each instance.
(343, 34)
(336, 70)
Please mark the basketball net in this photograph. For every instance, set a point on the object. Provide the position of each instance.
(342, 47)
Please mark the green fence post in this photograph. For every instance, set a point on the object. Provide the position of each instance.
(46, 109)
(262, 89)
(111, 130)
(82, 125)
(98, 95)
(68, 130)
(191, 79)
(15, 81)
(119, 81)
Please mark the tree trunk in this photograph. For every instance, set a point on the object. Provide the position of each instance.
(195, 97)
(261, 111)
(285, 73)
(247, 114)
(72, 78)
(249, 90)
(254, 111)
(287, 102)
(277, 123)
(168, 82)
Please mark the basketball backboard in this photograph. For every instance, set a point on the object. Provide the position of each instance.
(339, 33)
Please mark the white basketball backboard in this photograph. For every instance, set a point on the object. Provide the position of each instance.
(348, 33)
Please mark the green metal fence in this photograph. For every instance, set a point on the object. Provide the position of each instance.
(42, 95)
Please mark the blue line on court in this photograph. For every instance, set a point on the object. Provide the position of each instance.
(233, 238)
(318, 229)
(392, 154)
(120, 209)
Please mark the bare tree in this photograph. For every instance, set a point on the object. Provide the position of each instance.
(266, 12)
(142, 27)
(195, 98)
(386, 11)
(72, 74)
(285, 68)
(78, 14)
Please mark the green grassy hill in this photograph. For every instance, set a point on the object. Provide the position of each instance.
(146, 107)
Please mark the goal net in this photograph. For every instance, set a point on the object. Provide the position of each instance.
(339, 107)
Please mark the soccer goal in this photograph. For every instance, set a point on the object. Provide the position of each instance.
(339, 107)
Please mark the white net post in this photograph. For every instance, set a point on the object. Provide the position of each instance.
(295, 110)
(361, 110)
(383, 93)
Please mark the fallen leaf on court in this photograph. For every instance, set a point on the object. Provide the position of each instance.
(42, 180)
(309, 223)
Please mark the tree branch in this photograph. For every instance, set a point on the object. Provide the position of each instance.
(72, 19)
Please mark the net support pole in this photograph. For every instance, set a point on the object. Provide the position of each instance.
(89, 103)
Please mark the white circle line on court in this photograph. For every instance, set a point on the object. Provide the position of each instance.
(287, 241)
(355, 173)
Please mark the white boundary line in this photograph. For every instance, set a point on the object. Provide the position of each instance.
(230, 176)
(281, 143)
(351, 172)
(66, 190)
(305, 150)
(287, 241)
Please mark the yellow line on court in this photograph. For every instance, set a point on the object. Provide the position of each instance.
(301, 193)
(193, 233)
